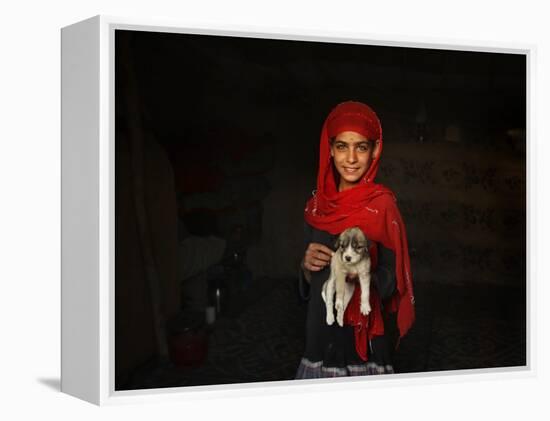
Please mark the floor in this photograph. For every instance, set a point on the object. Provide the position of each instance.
(262, 339)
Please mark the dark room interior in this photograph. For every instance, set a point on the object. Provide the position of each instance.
(216, 153)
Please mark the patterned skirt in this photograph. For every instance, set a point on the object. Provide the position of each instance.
(315, 370)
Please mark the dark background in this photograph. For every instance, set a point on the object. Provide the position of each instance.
(229, 130)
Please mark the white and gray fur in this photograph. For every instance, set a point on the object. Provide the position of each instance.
(351, 258)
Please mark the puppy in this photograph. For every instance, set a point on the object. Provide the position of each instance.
(351, 258)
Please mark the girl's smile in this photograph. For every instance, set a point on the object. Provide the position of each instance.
(352, 154)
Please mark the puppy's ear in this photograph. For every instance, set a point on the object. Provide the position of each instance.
(368, 244)
(337, 244)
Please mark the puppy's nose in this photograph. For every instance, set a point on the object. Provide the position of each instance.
(348, 258)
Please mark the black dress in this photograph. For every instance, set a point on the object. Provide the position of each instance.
(330, 350)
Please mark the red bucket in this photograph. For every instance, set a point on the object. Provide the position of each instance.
(188, 348)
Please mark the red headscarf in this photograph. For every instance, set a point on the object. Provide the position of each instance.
(369, 206)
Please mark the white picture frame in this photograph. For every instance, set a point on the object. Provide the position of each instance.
(88, 215)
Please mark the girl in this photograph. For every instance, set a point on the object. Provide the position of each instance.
(347, 196)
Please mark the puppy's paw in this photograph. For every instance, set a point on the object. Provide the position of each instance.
(340, 318)
(330, 318)
(365, 308)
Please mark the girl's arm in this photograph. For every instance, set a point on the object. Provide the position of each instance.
(304, 275)
(384, 278)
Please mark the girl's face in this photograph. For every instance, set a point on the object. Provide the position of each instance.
(352, 154)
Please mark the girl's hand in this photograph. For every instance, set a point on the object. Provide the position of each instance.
(317, 256)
